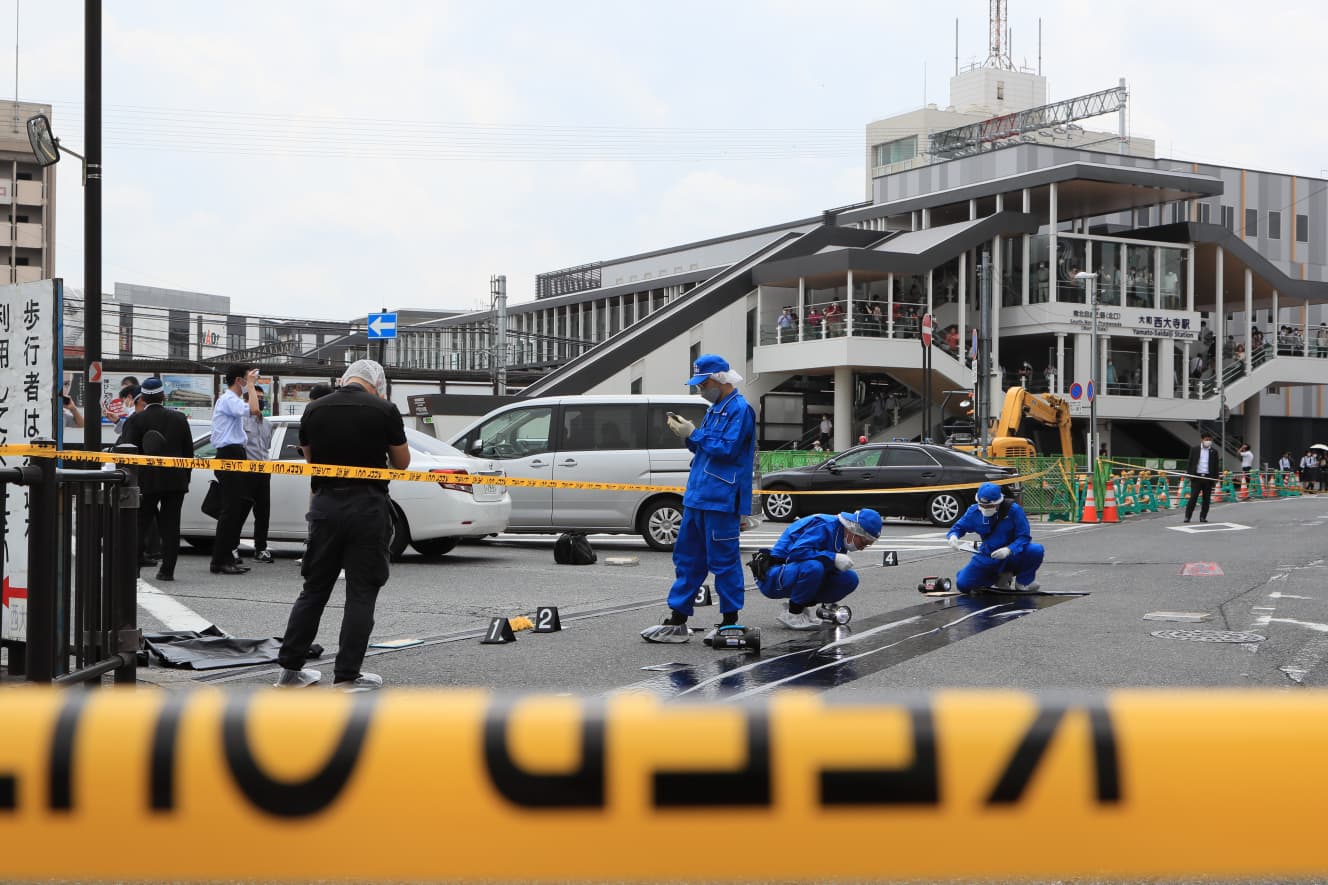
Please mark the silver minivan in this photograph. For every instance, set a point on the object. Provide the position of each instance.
(620, 439)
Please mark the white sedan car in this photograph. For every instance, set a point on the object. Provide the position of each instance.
(431, 517)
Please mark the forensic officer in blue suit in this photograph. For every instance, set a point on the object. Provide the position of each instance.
(719, 494)
(1007, 552)
(810, 565)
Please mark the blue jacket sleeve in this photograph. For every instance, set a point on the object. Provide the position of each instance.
(1022, 534)
(964, 524)
(728, 443)
(815, 541)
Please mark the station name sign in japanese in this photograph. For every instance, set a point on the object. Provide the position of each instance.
(1115, 320)
(29, 386)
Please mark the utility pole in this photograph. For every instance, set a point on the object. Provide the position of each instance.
(498, 298)
(92, 218)
(982, 368)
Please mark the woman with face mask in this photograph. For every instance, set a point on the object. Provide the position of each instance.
(811, 568)
(1007, 554)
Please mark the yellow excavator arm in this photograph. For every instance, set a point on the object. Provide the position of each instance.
(1046, 408)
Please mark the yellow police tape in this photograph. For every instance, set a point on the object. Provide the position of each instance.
(434, 785)
(300, 468)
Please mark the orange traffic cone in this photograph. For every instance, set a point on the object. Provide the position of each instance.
(1244, 493)
(1090, 506)
(1109, 513)
(1163, 494)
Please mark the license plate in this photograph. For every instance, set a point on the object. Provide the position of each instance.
(487, 492)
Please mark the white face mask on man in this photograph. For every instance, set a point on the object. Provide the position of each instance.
(1208, 444)
(988, 510)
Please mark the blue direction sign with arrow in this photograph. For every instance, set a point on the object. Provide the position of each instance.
(382, 325)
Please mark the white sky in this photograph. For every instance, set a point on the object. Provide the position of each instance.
(323, 159)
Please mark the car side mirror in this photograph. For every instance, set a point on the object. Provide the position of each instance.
(477, 446)
(832, 466)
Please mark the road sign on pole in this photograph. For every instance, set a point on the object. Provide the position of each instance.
(926, 330)
(382, 326)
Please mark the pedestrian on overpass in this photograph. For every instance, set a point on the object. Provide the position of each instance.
(810, 566)
(1204, 468)
(718, 495)
(350, 523)
(1008, 552)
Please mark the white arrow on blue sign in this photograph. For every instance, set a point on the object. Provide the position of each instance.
(382, 325)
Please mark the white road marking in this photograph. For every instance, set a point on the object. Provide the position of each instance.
(1287, 596)
(1305, 660)
(1209, 528)
(173, 614)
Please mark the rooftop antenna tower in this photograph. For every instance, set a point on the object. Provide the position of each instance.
(998, 55)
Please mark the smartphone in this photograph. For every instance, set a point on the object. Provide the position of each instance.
(674, 415)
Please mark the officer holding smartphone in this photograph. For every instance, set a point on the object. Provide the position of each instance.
(718, 495)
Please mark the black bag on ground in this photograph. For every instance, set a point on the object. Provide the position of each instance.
(212, 500)
(573, 548)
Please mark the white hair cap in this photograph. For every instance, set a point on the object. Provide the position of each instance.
(729, 377)
(370, 371)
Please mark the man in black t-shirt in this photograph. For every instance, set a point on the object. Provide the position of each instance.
(350, 523)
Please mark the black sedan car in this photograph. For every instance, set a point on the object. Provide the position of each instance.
(852, 474)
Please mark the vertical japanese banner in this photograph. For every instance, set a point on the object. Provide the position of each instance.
(30, 384)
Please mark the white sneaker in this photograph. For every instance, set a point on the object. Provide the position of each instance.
(803, 620)
(297, 678)
(1030, 587)
(363, 682)
(1004, 581)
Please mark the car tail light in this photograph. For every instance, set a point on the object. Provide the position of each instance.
(454, 486)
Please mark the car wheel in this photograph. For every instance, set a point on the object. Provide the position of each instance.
(944, 508)
(660, 521)
(400, 538)
(202, 545)
(435, 546)
(779, 505)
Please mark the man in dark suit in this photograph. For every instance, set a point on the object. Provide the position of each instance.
(158, 430)
(1204, 468)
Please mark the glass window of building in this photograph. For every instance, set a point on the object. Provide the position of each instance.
(1039, 263)
(1274, 225)
(1229, 217)
(1107, 265)
(1139, 282)
(896, 151)
(1205, 213)
(1251, 222)
(178, 334)
(1142, 216)
(1174, 277)
(1071, 258)
(1012, 271)
(1302, 228)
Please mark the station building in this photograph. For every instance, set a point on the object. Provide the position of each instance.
(1211, 285)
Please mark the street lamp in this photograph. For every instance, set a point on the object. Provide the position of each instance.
(1090, 284)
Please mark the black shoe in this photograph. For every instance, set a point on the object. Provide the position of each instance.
(1202, 520)
(263, 556)
(1187, 520)
(165, 576)
(229, 569)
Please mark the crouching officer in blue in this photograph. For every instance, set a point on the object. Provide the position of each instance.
(1007, 552)
(810, 565)
(719, 494)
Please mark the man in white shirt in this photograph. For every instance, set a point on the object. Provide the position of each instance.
(1204, 467)
(826, 427)
(239, 400)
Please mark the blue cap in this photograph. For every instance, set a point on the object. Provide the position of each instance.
(706, 365)
(866, 522)
(150, 386)
(990, 493)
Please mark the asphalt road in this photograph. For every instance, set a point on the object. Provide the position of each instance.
(1272, 584)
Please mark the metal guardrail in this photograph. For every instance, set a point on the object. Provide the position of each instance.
(82, 571)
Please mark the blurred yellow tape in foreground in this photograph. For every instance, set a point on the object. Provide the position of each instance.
(434, 785)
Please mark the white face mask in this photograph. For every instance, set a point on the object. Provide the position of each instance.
(988, 511)
(1207, 444)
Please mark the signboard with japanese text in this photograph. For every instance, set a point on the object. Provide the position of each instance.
(31, 382)
(1112, 320)
(293, 393)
